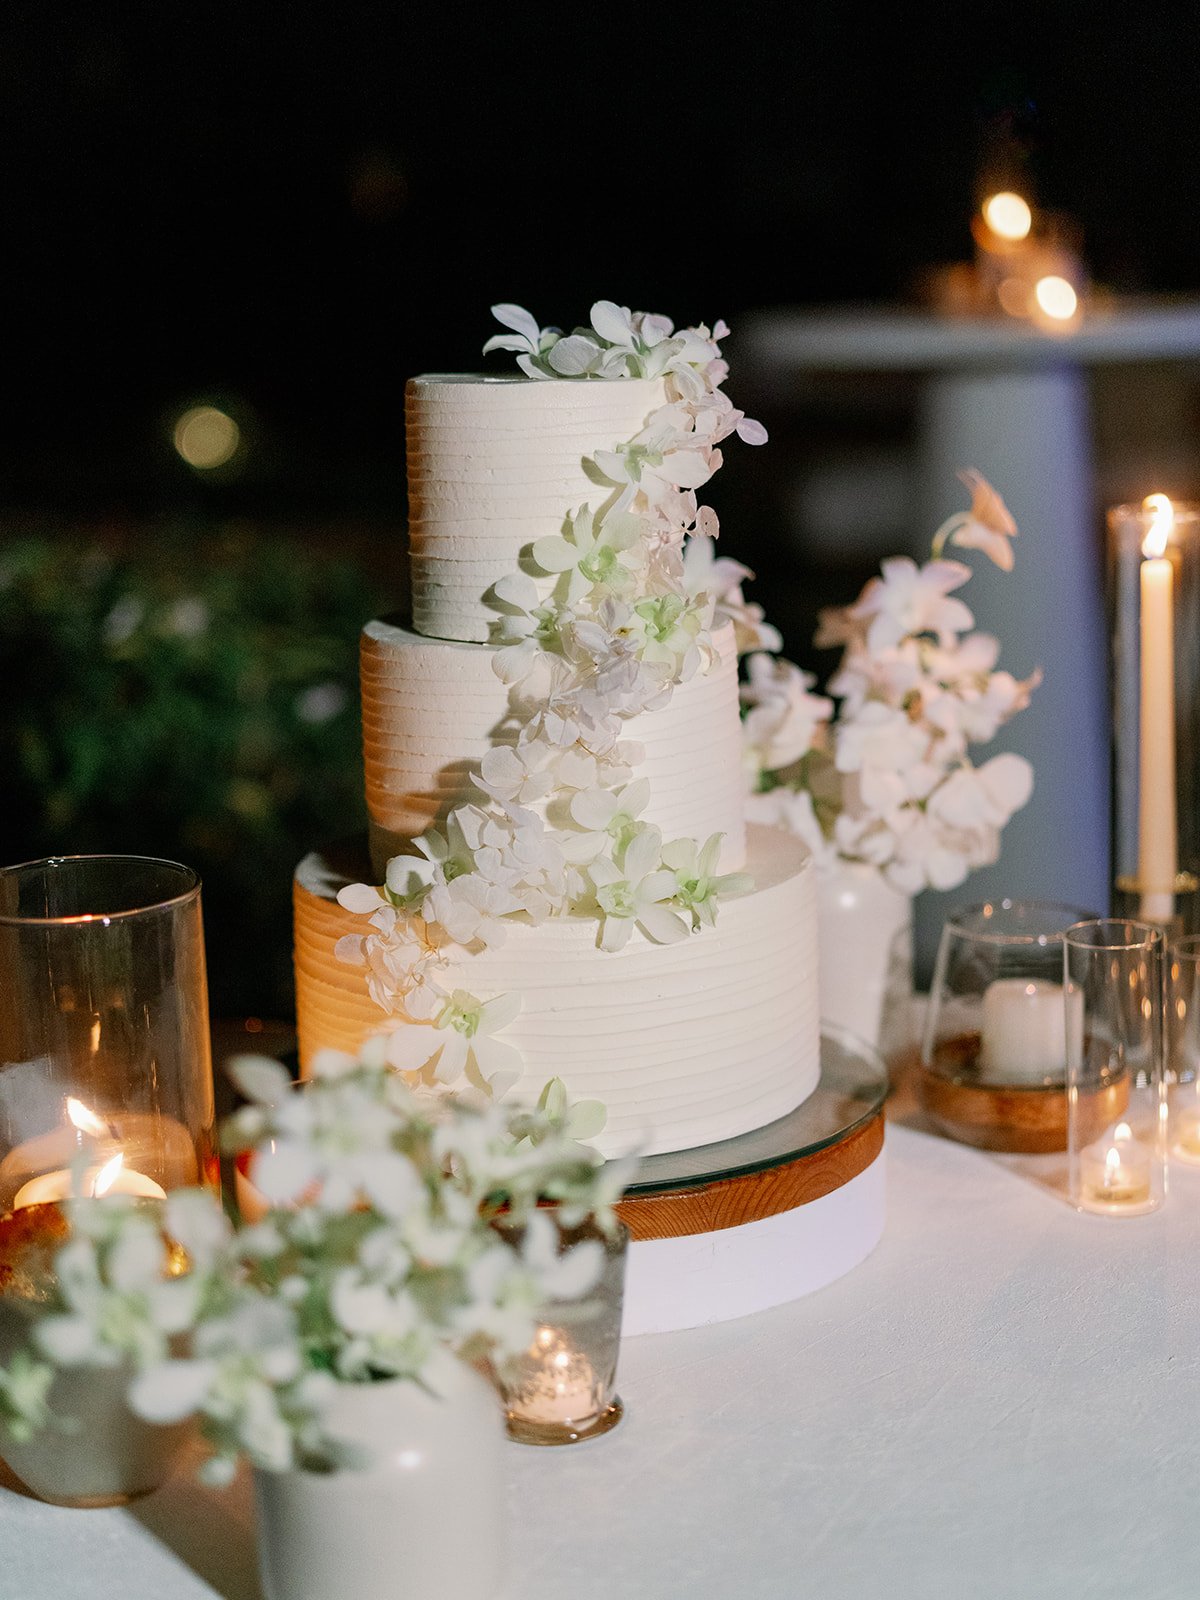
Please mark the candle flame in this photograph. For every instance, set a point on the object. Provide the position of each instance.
(84, 1118)
(1008, 216)
(1112, 1162)
(1162, 520)
(107, 1175)
(1122, 1131)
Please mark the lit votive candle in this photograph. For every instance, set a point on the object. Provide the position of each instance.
(113, 1177)
(558, 1383)
(1023, 1034)
(1115, 1172)
(1186, 1144)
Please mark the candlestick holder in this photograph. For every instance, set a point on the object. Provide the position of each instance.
(106, 1089)
(1154, 584)
(561, 1390)
(993, 1058)
(1113, 977)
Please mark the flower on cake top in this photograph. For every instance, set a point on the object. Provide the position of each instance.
(887, 779)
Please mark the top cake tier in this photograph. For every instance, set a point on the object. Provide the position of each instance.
(493, 464)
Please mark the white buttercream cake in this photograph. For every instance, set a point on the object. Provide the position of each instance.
(687, 1040)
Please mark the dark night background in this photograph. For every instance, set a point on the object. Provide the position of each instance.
(286, 210)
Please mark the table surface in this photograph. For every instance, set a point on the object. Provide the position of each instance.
(1003, 1401)
(873, 338)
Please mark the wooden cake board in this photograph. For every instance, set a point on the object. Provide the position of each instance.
(733, 1228)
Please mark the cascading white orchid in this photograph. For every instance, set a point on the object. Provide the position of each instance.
(617, 620)
(887, 780)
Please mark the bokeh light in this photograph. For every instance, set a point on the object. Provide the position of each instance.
(206, 437)
(1008, 216)
(1056, 298)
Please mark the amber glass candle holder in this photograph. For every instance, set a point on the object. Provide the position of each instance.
(106, 1089)
(562, 1389)
(1114, 982)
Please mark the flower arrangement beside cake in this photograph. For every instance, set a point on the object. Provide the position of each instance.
(882, 789)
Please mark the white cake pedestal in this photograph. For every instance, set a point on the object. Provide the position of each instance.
(756, 1221)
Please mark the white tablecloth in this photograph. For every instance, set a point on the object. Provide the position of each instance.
(1002, 1403)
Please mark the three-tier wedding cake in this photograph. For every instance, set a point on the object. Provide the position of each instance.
(553, 762)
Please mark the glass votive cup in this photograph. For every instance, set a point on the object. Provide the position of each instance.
(993, 1055)
(106, 1090)
(1113, 975)
(562, 1389)
(1183, 1050)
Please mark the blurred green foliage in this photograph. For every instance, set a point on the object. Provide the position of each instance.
(196, 699)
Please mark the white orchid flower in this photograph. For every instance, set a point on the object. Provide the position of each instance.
(532, 344)
(633, 894)
(987, 526)
(784, 718)
(587, 553)
(698, 885)
(459, 1038)
(909, 600)
(719, 579)
(606, 816)
(878, 736)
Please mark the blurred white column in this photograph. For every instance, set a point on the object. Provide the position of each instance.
(1027, 429)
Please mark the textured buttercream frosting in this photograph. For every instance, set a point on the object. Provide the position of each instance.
(493, 464)
(686, 1044)
(432, 708)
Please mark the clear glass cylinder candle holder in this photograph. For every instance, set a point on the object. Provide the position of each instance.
(1113, 977)
(1154, 582)
(562, 1389)
(993, 1057)
(1183, 1050)
(105, 1089)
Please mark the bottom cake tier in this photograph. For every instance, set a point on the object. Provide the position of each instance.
(686, 1044)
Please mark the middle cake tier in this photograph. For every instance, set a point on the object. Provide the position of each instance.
(432, 708)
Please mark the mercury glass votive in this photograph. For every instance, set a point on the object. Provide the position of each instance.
(1154, 586)
(562, 1389)
(1113, 975)
(105, 1089)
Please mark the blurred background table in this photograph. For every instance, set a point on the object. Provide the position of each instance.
(1002, 396)
(1002, 1400)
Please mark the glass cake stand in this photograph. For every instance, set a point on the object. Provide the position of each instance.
(729, 1229)
(850, 1093)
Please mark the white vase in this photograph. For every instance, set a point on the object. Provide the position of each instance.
(864, 929)
(422, 1512)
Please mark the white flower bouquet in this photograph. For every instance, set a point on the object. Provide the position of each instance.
(377, 1255)
(885, 778)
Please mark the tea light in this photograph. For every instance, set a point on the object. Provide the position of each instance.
(1115, 1172)
(1023, 1037)
(113, 1177)
(558, 1384)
